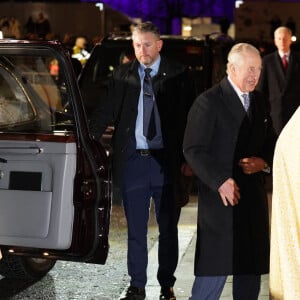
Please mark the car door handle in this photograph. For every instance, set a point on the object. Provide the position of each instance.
(21, 150)
(3, 160)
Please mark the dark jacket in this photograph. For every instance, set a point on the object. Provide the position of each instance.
(230, 240)
(174, 95)
(282, 89)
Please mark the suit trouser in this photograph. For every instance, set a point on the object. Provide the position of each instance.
(145, 177)
(244, 287)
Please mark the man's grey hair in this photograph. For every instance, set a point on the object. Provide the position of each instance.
(146, 27)
(237, 52)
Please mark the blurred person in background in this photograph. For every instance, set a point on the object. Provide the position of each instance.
(79, 50)
(42, 26)
(280, 78)
(15, 28)
(10, 27)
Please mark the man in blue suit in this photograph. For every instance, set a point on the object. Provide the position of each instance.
(147, 165)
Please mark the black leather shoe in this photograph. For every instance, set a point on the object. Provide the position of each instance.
(167, 293)
(135, 293)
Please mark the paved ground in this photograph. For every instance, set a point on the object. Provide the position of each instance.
(184, 273)
(70, 281)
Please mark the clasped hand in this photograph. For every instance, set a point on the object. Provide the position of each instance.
(252, 164)
(229, 190)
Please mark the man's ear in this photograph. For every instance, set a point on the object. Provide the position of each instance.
(232, 68)
(159, 44)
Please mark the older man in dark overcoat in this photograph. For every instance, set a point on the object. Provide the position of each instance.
(229, 144)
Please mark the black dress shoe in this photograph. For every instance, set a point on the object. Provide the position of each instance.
(167, 293)
(135, 293)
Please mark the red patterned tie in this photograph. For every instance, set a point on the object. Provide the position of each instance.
(284, 62)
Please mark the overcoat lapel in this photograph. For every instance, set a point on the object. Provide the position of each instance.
(292, 66)
(161, 75)
(132, 85)
(232, 102)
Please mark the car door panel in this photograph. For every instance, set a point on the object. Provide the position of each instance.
(45, 216)
(32, 225)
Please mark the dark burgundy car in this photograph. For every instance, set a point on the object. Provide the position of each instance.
(54, 179)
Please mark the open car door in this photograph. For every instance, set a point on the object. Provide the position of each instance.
(54, 179)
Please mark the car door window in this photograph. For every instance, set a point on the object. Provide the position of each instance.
(33, 94)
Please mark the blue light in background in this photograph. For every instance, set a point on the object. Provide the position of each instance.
(165, 14)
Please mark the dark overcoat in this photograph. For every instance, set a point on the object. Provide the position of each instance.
(280, 87)
(230, 240)
(174, 94)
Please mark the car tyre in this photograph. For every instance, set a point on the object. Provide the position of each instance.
(26, 268)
